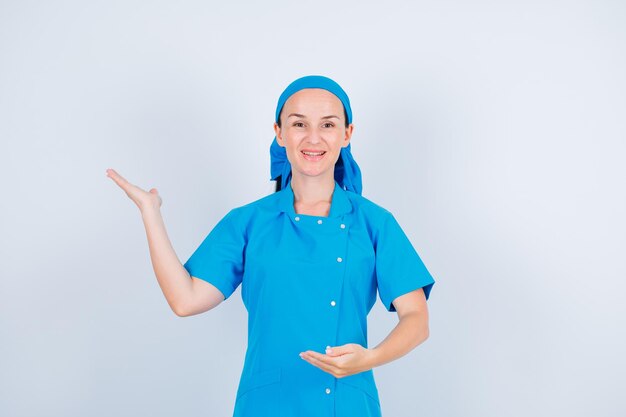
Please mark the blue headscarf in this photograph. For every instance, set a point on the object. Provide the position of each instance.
(347, 172)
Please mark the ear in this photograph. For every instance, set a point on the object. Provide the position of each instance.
(346, 141)
(279, 137)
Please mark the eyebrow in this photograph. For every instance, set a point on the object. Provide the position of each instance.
(304, 117)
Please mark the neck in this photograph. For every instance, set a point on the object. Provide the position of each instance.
(309, 191)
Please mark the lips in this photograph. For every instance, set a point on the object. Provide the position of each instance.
(312, 155)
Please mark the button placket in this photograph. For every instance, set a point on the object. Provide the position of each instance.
(339, 258)
(334, 229)
(342, 228)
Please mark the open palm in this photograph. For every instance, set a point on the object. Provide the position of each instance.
(143, 199)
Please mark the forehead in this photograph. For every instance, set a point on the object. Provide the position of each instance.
(313, 99)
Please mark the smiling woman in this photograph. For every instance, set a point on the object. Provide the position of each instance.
(310, 259)
(312, 134)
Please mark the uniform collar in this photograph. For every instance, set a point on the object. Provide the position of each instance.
(339, 205)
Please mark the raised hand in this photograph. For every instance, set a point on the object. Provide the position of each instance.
(143, 199)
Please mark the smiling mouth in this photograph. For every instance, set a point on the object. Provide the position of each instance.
(313, 156)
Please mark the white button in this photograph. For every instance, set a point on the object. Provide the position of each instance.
(339, 259)
(343, 226)
(332, 303)
(327, 390)
(297, 218)
(319, 221)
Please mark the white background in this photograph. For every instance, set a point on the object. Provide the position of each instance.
(494, 131)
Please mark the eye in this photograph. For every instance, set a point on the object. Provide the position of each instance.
(331, 125)
(298, 123)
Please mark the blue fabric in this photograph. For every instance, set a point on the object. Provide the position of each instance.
(347, 171)
(307, 282)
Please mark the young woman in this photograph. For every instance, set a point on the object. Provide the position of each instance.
(310, 258)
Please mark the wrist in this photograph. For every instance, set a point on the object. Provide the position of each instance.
(150, 211)
(374, 357)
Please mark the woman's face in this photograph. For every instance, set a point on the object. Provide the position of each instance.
(313, 121)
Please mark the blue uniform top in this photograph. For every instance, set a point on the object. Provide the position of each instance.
(307, 282)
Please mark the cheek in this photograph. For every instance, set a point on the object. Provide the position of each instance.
(291, 149)
(292, 142)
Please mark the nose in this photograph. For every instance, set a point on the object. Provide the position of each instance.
(315, 136)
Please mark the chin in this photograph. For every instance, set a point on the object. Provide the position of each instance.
(312, 173)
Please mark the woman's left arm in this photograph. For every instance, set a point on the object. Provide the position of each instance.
(411, 330)
(353, 358)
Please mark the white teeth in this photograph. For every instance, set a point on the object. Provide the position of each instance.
(313, 154)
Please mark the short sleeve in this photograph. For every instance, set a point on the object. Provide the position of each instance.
(399, 269)
(219, 258)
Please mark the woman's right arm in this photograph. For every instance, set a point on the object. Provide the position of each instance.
(185, 295)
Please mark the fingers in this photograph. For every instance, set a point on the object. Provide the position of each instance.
(321, 362)
(119, 180)
(131, 189)
(139, 196)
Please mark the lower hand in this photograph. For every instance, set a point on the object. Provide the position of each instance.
(341, 361)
